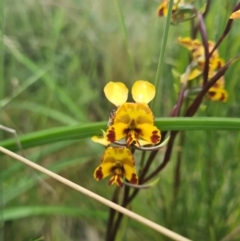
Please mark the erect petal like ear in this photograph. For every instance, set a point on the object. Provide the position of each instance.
(116, 93)
(143, 91)
(235, 15)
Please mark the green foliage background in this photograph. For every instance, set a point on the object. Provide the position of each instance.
(58, 55)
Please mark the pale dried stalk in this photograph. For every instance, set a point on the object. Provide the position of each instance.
(106, 202)
(234, 234)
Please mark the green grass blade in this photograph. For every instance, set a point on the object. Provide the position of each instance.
(2, 90)
(124, 32)
(26, 182)
(24, 86)
(87, 130)
(2, 5)
(45, 111)
(50, 83)
(49, 150)
(157, 82)
(32, 211)
(56, 134)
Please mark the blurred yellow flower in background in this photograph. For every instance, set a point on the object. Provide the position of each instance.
(217, 92)
(235, 15)
(181, 10)
(162, 10)
(197, 52)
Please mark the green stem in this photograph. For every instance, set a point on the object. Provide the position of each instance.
(124, 31)
(84, 131)
(2, 5)
(158, 84)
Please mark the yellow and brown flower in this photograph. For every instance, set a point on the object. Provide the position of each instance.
(132, 121)
(162, 10)
(181, 10)
(118, 162)
(217, 92)
(197, 49)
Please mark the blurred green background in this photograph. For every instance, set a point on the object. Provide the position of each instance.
(58, 55)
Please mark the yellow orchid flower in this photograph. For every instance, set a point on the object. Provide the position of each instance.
(220, 82)
(235, 15)
(190, 44)
(194, 73)
(197, 49)
(217, 94)
(118, 162)
(133, 121)
(162, 10)
(181, 10)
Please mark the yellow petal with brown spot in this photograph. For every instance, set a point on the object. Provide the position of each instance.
(116, 132)
(103, 171)
(218, 94)
(162, 9)
(149, 133)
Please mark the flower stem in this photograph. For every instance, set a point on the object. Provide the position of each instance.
(112, 213)
(203, 33)
(2, 4)
(120, 215)
(226, 30)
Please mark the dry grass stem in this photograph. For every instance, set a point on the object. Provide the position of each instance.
(106, 202)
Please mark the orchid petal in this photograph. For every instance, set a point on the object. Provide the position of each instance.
(116, 93)
(235, 15)
(143, 91)
(149, 133)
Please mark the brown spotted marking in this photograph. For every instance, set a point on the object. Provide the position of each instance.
(155, 138)
(99, 174)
